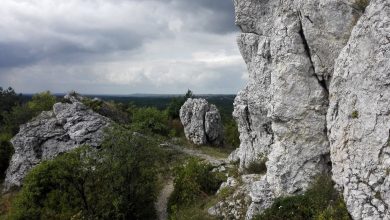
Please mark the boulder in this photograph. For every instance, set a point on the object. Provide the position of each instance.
(68, 126)
(202, 122)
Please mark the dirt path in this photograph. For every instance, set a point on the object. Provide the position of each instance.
(162, 200)
(163, 197)
(196, 153)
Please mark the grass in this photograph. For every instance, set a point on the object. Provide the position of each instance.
(5, 204)
(257, 166)
(195, 211)
(320, 202)
(217, 152)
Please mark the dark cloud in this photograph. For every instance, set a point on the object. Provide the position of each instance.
(119, 45)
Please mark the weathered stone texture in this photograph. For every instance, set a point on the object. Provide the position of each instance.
(66, 127)
(202, 122)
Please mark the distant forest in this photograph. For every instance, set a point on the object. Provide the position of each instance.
(223, 102)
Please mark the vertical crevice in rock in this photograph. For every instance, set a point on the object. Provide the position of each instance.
(247, 119)
(321, 81)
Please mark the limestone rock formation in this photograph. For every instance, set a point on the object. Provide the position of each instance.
(202, 122)
(66, 127)
(359, 116)
(290, 48)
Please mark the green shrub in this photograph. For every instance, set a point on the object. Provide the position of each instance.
(150, 120)
(232, 136)
(111, 110)
(119, 181)
(257, 166)
(41, 102)
(6, 151)
(321, 201)
(355, 114)
(192, 181)
(19, 115)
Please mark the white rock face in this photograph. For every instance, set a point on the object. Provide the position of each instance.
(66, 127)
(289, 48)
(202, 122)
(359, 116)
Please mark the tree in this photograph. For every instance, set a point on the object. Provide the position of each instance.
(119, 181)
(150, 120)
(8, 99)
(6, 151)
(176, 103)
(41, 102)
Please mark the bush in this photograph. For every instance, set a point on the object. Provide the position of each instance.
(6, 151)
(321, 201)
(18, 116)
(257, 167)
(150, 120)
(111, 110)
(232, 136)
(119, 181)
(192, 181)
(41, 102)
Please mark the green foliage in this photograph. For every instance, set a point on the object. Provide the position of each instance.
(113, 110)
(173, 108)
(119, 181)
(21, 114)
(6, 151)
(41, 102)
(150, 120)
(193, 180)
(257, 166)
(321, 202)
(355, 114)
(232, 136)
(8, 99)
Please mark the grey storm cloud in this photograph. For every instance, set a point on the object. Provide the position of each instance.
(119, 46)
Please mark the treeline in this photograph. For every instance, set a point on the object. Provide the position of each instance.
(15, 112)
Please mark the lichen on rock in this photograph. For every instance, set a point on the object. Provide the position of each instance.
(290, 49)
(67, 126)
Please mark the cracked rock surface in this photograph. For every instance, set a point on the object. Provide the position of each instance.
(290, 48)
(202, 122)
(359, 116)
(66, 127)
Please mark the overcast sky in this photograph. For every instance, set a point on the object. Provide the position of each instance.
(120, 46)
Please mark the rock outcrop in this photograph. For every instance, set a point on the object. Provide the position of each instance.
(202, 122)
(66, 127)
(359, 116)
(283, 114)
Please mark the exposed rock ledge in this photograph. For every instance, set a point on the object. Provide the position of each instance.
(318, 90)
(66, 127)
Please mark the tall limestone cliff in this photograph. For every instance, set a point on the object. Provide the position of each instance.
(304, 56)
(359, 116)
